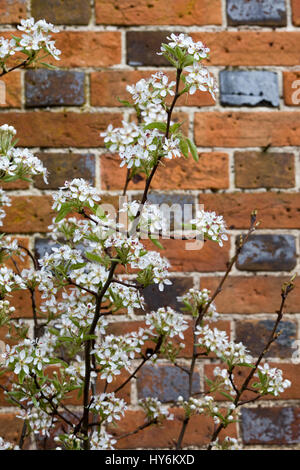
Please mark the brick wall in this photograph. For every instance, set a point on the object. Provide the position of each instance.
(248, 143)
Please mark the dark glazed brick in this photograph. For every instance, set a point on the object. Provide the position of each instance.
(165, 382)
(268, 253)
(243, 88)
(65, 166)
(54, 88)
(142, 47)
(62, 11)
(264, 170)
(255, 334)
(155, 299)
(256, 12)
(271, 425)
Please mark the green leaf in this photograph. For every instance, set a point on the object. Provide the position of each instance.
(175, 127)
(193, 150)
(93, 257)
(125, 103)
(156, 243)
(229, 397)
(48, 66)
(64, 211)
(73, 267)
(183, 145)
(161, 126)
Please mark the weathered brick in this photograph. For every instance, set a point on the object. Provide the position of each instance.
(12, 90)
(65, 166)
(198, 433)
(54, 88)
(62, 11)
(12, 11)
(211, 172)
(10, 427)
(270, 425)
(28, 214)
(88, 48)
(275, 210)
(46, 129)
(296, 12)
(106, 86)
(166, 382)
(264, 170)
(268, 253)
(245, 88)
(291, 88)
(254, 12)
(227, 47)
(247, 295)
(208, 259)
(255, 335)
(247, 129)
(155, 12)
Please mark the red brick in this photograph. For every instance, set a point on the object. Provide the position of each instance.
(275, 210)
(296, 12)
(247, 295)
(250, 48)
(291, 88)
(107, 86)
(210, 258)
(182, 12)
(12, 11)
(247, 129)
(28, 214)
(45, 129)
(10, 427)
(88, 48)
(264, 170)
(13, 90)
(211, 172)
(198, 433)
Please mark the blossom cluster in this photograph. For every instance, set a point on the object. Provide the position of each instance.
(108, 406)
(35, 37)
(17, 163)
(271, 380)
(166, 322)
(195, 301)
(154, 409)
(210, 225)
(218, 342)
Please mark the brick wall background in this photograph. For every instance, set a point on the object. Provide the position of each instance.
(248, 143)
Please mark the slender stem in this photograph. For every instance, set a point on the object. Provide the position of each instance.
(18, 66)
(273, 336)
(201, 314)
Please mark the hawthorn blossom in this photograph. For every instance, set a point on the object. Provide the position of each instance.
(171, 147)
(199, 78)
(101, 441)
(38, 420)
(108, 406)
(211, 226)
(4, 201)
(77, 191)
(229, 443)
(271, 380)
(195, 301)
(197, 50)
(166, 322)
(5, 445)
(218, 342)
(7, 48)
(154, 409)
